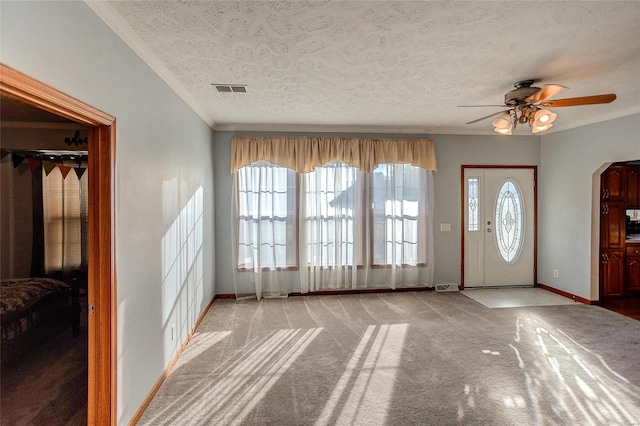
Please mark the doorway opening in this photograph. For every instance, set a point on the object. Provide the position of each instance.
(101, 286)
(619, 239)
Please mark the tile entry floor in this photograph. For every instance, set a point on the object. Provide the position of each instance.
(515, 297)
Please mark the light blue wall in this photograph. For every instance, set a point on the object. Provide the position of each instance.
(452, 151)
(568, 162)
(163, 159)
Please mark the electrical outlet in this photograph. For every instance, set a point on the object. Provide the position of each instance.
(555, 273)
(173, 332)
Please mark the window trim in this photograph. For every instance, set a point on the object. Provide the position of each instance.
(403, 265)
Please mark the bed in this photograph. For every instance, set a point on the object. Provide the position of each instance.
(33, 310)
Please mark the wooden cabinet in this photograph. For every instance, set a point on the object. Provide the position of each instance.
(612, 273)
(612, 225)
(633, 187)
(632, 269)
(613, 184)
(619, 259)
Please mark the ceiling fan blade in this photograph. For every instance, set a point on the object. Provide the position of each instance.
(488, 116)
(584, 100)
(480, 106)
(547, 91)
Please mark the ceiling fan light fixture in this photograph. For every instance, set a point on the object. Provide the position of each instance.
(543, 116)
(525, 105)
(503, 121)
(542, 128)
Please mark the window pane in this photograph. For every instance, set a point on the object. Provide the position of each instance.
(62, 215)
(267, 217)
(509, 221)
(472, 202)
(333, 198)
(399, 214)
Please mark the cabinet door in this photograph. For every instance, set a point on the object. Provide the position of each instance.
(633, 187)
(613, 183)
(633, 273)
(612, 225)
(612, 273)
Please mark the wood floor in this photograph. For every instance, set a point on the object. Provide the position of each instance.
(48, 384)
(627, 307)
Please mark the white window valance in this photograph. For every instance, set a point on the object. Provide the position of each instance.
(304, 154)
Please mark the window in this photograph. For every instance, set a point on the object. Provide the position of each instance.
(64, 207)
(333, 219)
(509, 221)
(473, 203)
(267, 217)
(333, 202)
(399, 194)
(347, 205)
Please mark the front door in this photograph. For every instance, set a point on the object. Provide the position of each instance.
(499, 227)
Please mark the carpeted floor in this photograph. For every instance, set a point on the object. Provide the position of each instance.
(418, 358)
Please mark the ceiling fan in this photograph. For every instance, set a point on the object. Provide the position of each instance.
(526, 105)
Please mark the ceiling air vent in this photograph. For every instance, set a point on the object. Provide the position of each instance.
(231, 88)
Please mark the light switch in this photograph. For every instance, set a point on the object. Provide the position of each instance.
(445, 227)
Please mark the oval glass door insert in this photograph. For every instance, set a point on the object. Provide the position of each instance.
(509, 221)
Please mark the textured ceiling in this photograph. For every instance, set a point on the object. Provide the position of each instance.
(383, 66)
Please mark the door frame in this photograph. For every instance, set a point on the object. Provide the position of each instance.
(102, 378)
(535, 214)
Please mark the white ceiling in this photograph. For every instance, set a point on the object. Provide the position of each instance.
(383, 66)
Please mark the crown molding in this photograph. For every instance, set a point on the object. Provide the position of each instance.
(328, 128)
(414, 130)
(114, 21)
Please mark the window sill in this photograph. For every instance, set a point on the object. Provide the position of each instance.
(404, 265)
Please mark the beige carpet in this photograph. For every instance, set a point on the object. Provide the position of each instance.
(418, 358)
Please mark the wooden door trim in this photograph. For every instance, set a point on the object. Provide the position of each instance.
(102, 385)
(535, 214)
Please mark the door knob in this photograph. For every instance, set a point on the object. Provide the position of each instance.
(488, 229)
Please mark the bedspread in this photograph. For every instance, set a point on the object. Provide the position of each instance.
(18, 295)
